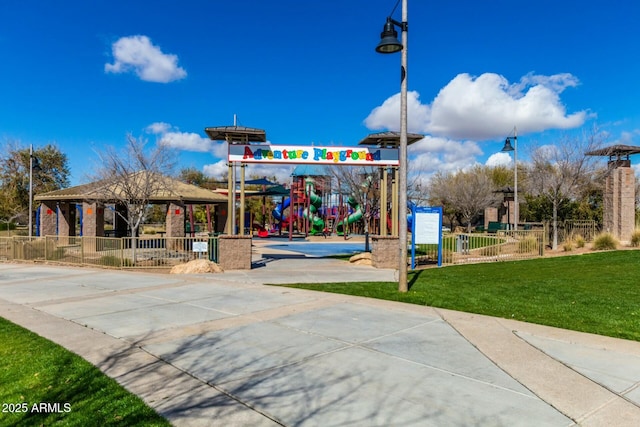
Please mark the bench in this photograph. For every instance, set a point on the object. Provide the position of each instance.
(495, 226)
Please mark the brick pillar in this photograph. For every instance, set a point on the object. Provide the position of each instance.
(67, 219)
(234, 252)
(619, 203)
(385, 252)
(92, 220)
(175, 220)
(48, 218)
(490, 215)
(221, 218)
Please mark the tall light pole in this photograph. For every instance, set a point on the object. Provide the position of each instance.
(514, 148)
(390, 44)
(30, 190)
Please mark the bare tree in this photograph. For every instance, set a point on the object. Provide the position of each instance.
(361, 182)
(559, 172)
(133, 176)
(464, 193)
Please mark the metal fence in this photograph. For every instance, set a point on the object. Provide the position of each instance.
(570, 229)
(139, 252)
(505, 245)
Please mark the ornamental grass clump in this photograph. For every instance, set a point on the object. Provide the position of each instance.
(605, 242)
(528, 244)
(579, 241)
(635, 239)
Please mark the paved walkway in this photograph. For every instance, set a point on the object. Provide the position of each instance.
(226, 350)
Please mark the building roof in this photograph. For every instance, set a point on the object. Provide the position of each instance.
(172, 190)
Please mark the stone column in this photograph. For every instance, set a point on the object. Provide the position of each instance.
(92, 225)
(490, 215)
(48, 218)
(619, 202)
(385, 252)
(234, 252)
(67, 219)
(175, 220)
(175, 226)
(92, 220)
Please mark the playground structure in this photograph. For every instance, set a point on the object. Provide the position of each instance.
(315, 207)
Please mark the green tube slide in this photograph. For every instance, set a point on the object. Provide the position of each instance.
(317, 223)
(355, 216)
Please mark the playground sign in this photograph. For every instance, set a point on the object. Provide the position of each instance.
(200, 247)
(291, 154)
(426, 228)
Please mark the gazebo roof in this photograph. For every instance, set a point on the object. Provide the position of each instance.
(174, 190)
(389, 139)
(616, 151)
(236, 134)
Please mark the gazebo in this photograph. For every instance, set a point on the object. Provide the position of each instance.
(59, 209)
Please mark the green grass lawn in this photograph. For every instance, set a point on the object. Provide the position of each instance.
(597, 292)
(34, 371)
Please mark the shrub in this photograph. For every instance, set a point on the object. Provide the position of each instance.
(635, 239)
(114, 261)
(56, 254)
(605, 242)
(4, 226)
(528, 244)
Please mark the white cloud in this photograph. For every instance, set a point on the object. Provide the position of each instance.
(499, 159)
(484, 107)
(216, 170)
(628, 137)
(187, 141)
(138, 54)
(220, 168)
(158, 128)
(432, 154)
(281, 172)
(387, 116)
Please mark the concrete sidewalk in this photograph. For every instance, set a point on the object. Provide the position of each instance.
(226, 350)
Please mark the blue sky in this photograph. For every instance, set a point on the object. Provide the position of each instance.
(84, 74)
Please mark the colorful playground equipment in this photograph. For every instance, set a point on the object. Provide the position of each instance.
(311, 211)
(306, 205)
(315, 208)
(352, 218)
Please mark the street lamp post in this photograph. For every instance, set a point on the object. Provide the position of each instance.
(30, 191)
(508, 147)
(390, 44)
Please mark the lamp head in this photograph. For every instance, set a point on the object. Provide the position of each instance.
(389, 39)
(507, 145)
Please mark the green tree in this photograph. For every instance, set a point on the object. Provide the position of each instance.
(50, 172)
(260, 207)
